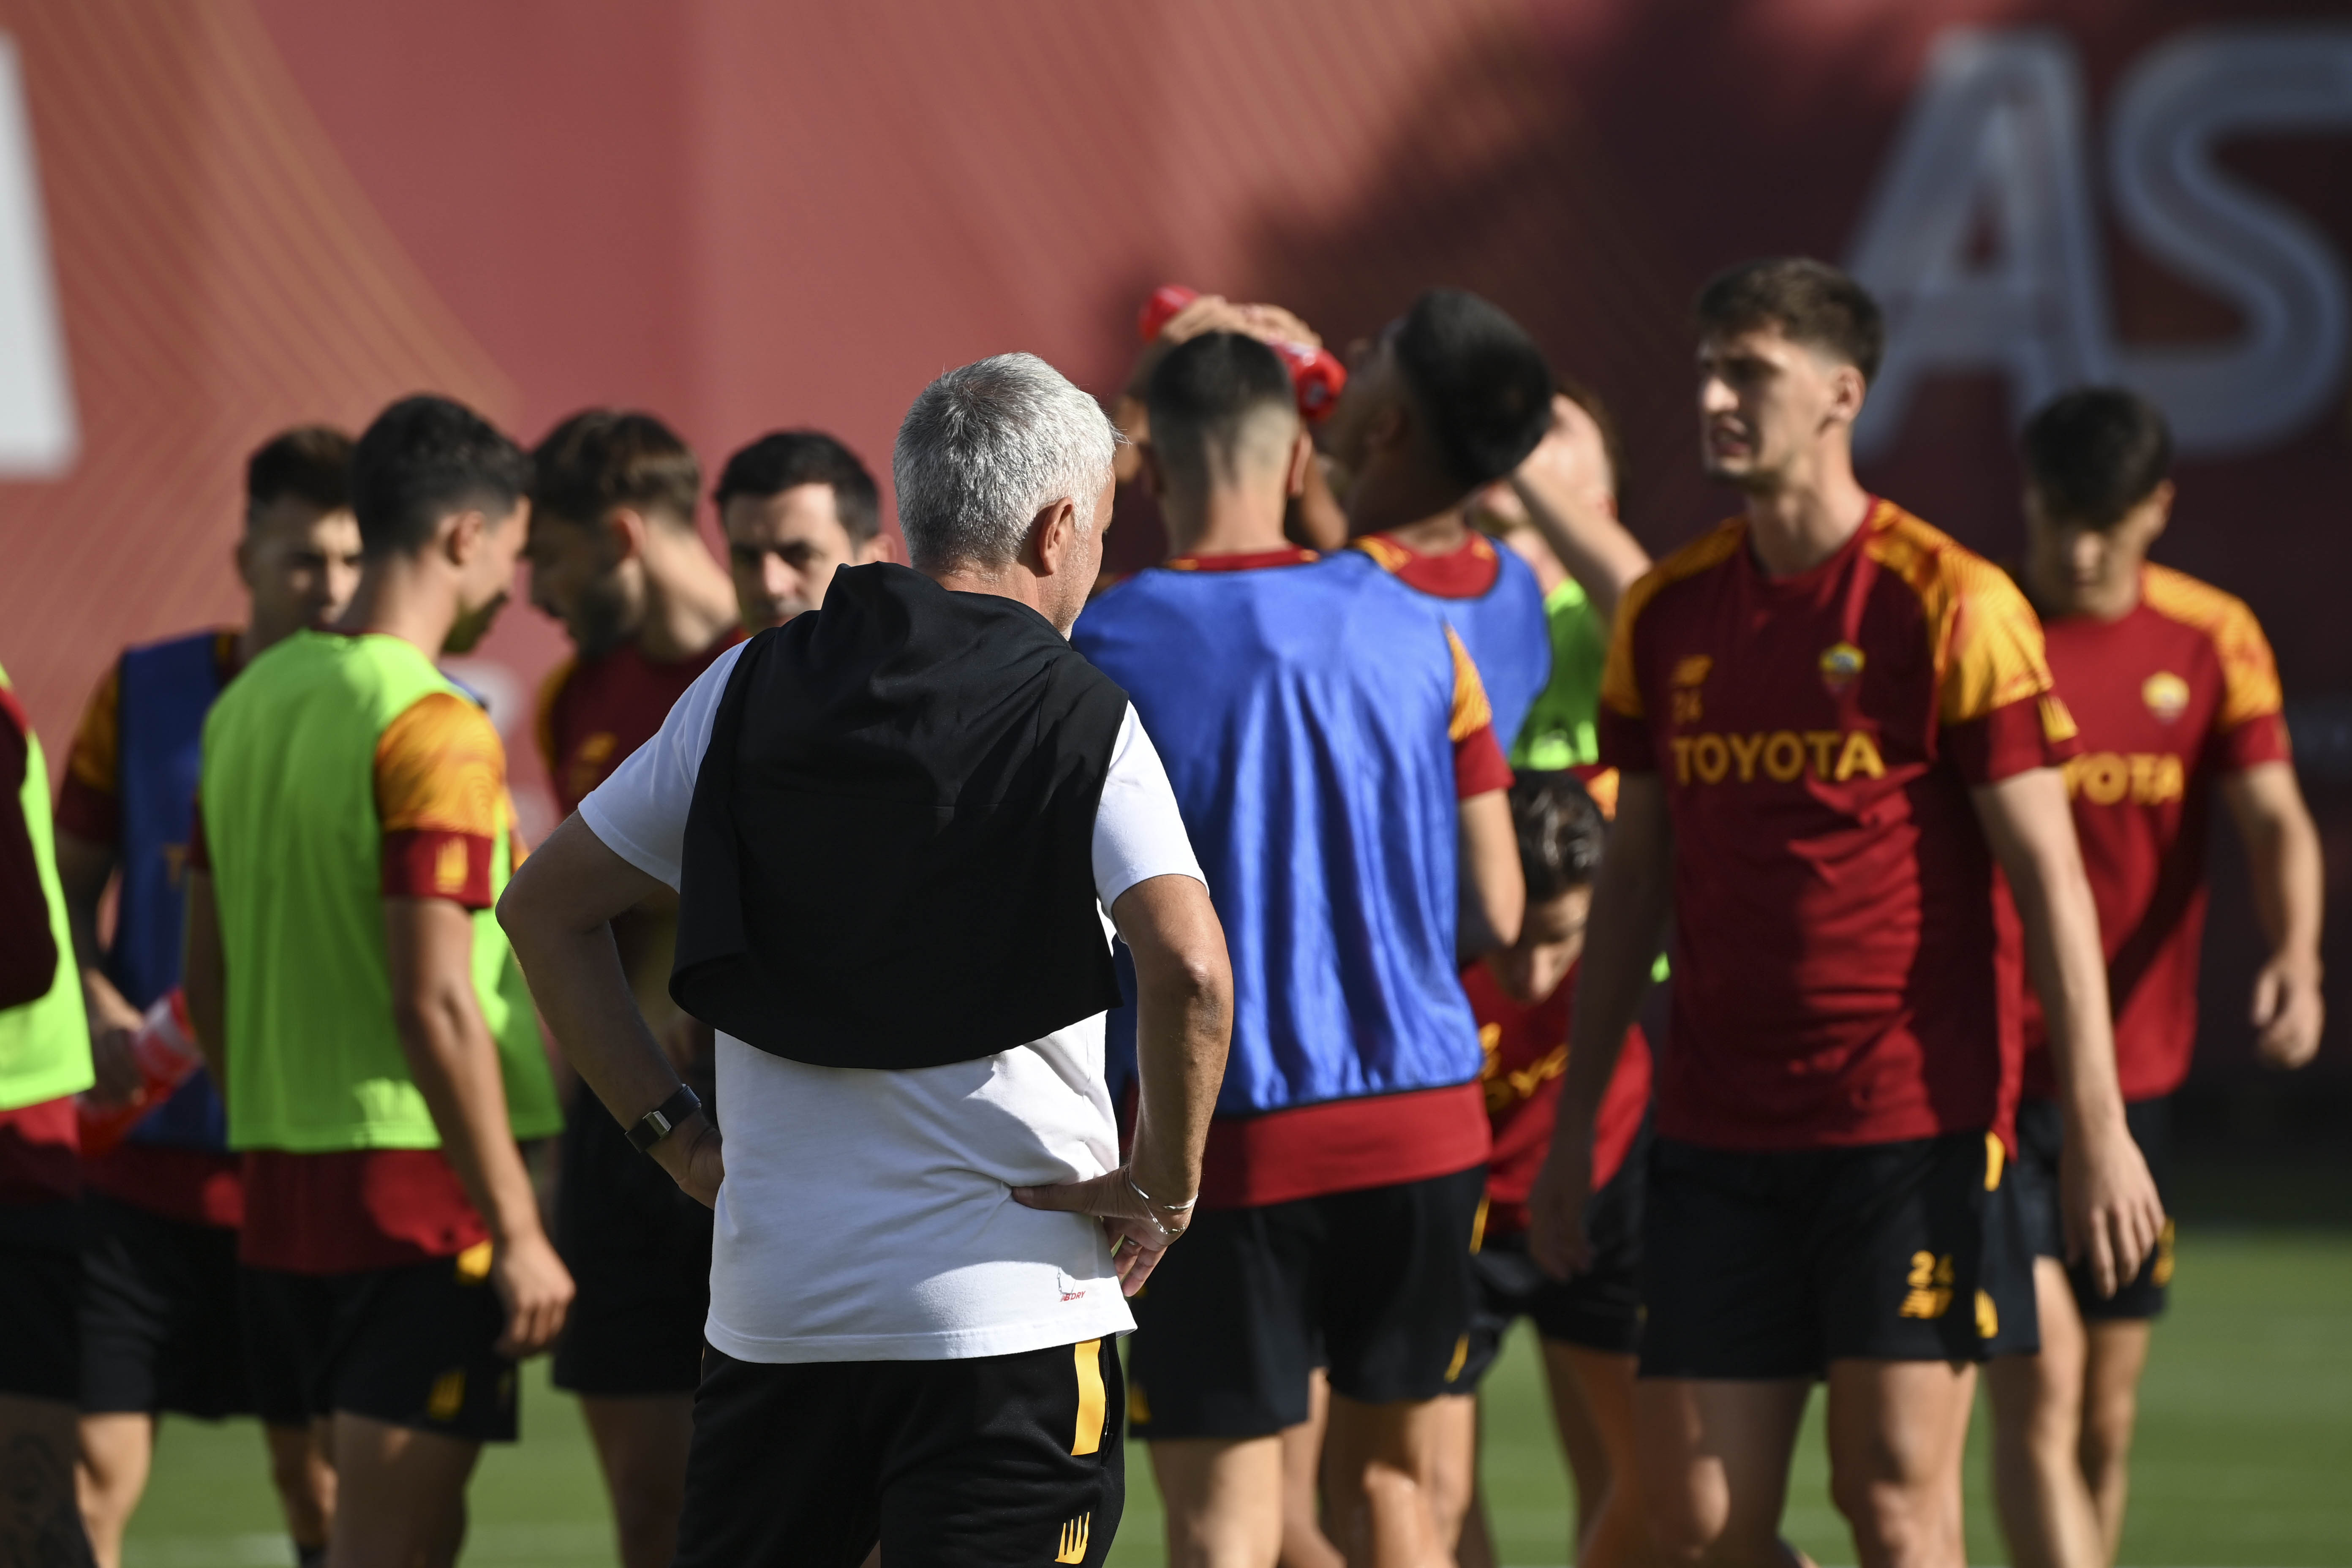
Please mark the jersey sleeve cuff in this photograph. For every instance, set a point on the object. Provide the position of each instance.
(1479, 765)
(434, 863)
(2012, 739)
(2262, 739)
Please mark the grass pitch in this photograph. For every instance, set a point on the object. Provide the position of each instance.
(2245, 1458)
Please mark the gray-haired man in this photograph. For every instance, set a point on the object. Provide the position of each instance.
(894, 825)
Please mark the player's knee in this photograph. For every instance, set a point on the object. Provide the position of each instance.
(1696, 1528)
(1895, 1522)
(2106, 1429)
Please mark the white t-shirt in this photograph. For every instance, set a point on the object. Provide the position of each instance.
(867, 1214)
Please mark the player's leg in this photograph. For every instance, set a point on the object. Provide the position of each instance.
(40, 1376)
(115, 1451)
(642, 1444)
(1714, 1455)
(305, 1483)
(2037, 1404)
(2118, 1354)
(1460, 1516)
(1304, 1544)
(401, 1495)
(1592, 1409)
(1219, 1369)
(1397, 1310)
(38, 1520)
(1507, 1283)
(1897, 1430)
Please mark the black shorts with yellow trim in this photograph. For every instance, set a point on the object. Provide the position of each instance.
(159, 1314)
(1373, 1284)
(989, 1460)
(639, 1252)
(2034, 1202)
(410, 1346)
(1600, 1309)
(1773, 1264)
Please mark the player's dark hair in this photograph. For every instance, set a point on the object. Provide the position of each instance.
(783, 458)
(1205, 394)
(2095, 453)
(600, 458)
(425, 457)
(1478, 382)
(1560, 830)
(312, 463)
(1811, 301)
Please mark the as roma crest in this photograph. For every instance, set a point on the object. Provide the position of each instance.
(1840, 667)
(2166, 694)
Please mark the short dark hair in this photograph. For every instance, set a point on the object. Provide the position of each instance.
(423, 457)
(1561, 830)
(1811, 301)
(312, 463)
(1478, 382)
(1203, 394)
(2095, 453)
(783, 458)
(605, 458)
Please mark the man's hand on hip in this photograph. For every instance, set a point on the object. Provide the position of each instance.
(1140, 1232)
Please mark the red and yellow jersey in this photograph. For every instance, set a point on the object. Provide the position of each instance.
(2177, 693)
(592, 715)
(1849, 973)
(89, 800)
(1526, 1054)
(1466, 571)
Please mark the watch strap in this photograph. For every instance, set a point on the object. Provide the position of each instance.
(656, 1124)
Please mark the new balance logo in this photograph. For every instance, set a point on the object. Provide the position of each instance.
(1073, 1539)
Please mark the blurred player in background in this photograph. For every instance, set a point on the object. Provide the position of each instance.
(160, 1211)
(44, 1063)
(796, 507)
(359, 1009)
(615, 557)
(2177, 697)
(1332, 752)
(1590, 1328)
(1559, 514)
(1833, 724)
(1407, 437)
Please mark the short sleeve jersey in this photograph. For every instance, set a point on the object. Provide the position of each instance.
(1849, 973)
(2173, 696)
(593, 713)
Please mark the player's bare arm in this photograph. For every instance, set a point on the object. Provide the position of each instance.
(2290, 881)
(203, 976)
(2112, 1213)
(1633, 898)
(84, 867)
(455, 1064)
(1565, 489)
(1183, 1025)
(1493, 891)
(558, 912)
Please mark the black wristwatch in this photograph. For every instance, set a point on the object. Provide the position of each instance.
(655, 1125)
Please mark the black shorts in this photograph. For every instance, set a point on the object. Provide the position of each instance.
(2032, 1199)
(639, 1252)
(159, 1314)
(40, 1292)
(995, 1459)
(1600, 1309)
(409, 1346)
(1373, 1284)
(1774, 1264)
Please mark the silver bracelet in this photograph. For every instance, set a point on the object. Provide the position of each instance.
(1150, 1202)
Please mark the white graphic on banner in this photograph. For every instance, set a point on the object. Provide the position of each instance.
(1981, 236)
(37, 436)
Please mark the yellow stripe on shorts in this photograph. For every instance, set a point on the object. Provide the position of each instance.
(1092, 1397)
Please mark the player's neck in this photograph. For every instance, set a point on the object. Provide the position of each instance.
(2053, 599)
(402, 597)
(1801, 523)
(1439, 534)
(689, 603)
(1226, 521)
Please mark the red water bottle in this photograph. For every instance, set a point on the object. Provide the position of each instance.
(1316, 375)
(166, 1051)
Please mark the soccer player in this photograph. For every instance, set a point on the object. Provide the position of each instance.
(359, 1009)
(1590, 1327)
(160, 1211)
(1834, 726)
(1330, 745)
(615, 557)
(796, 506)
(2177, 697)
(1405, 436)
(895, 826)
(1567, 530)
(44, 1062)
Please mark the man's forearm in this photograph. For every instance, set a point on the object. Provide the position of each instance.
(2069, 971)
(453, 1061)
(2286, 867)
(584, 993)
(1183, 1024)
(204, 977)
(1631, 904)
(1597, 550)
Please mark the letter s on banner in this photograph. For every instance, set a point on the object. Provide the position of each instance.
(37, 433)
